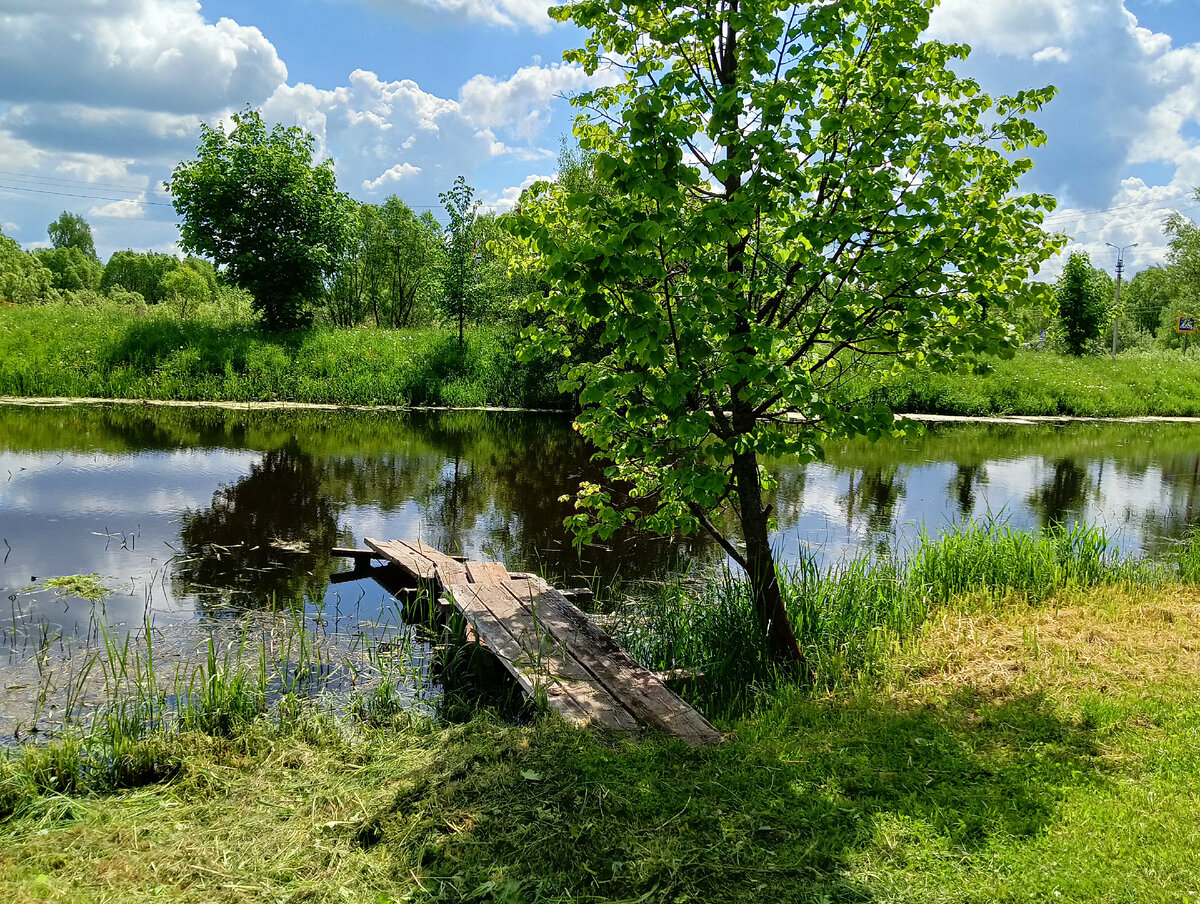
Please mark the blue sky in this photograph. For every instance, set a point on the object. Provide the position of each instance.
(100, 98)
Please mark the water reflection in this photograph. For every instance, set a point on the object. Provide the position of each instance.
(211, 507)
(1061, 500)
(265, 537)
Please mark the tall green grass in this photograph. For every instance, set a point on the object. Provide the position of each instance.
(1137, 383)
(118, 352)
(850, 619)
(123, 708)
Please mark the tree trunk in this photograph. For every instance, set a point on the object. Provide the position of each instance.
(769, 609)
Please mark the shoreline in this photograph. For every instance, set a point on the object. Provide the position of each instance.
(1016, 419)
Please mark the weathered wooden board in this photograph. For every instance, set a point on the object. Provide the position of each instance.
(398, 553)
(536, 659)
(449, 571)
(486, 572)
(637, 688)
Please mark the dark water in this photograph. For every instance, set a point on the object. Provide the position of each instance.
(191, 513)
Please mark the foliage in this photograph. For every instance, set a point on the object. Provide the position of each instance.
(71, 230)
(1147, 294)
(388, 269)
(1081, 304)
(138, 271)
(799, 192)
(1180, 306)
(256, 203)
(23, 277)
(186, 289)
(73, 270)
(460, 297)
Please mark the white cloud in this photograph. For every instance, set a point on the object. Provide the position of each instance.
(385, 132)
(396, 174)
(519, 102)
(143, 54)
(94, 168)
(1052, 55)
(507, 199)
(1017, 27)
(120, 210)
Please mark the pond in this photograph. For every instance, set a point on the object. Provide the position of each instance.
(192, 515)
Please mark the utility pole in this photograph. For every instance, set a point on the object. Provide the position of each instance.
(1117, 303)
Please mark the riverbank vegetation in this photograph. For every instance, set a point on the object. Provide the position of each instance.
(1028, 734)
(220, 353)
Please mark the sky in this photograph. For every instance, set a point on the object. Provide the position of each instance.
(100, 99)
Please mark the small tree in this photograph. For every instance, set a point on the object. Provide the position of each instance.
(71, 230)
(459, 270)
(1082, 303)
(800, 192)
(186, 289)
(256, 203)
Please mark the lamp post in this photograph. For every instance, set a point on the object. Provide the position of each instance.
(1117, 304)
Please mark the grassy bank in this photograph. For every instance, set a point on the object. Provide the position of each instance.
(1026, 754)
(1028, 733)
(122, 352)
(1137, 383)
(116, 352)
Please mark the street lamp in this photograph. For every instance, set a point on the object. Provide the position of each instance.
(1117, 305)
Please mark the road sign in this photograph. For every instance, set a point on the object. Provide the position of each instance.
(1186, 325)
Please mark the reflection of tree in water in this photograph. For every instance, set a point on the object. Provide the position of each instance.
(967, 479)
(873, 494)
(500, 482)
(1163, 525)
(269, 534)
(1064, 495)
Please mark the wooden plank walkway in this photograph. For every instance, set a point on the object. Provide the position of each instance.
(550, 647)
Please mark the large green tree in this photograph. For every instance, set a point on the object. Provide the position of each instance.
(71, 230)
(800, 192)
(255, 201)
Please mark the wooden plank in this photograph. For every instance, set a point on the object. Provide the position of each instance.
(644, 695)
(486, 572)
(416, 566)
(449, 571)
(343, 552)
(512, 633)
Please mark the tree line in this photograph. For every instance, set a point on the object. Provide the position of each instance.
(1087, 308)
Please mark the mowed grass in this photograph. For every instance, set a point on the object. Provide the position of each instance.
(112, 351)
(1017, 752)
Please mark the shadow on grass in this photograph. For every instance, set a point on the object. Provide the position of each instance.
(147, 345)
(780, 813)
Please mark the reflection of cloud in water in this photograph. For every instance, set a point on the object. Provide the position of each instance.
(113, 486)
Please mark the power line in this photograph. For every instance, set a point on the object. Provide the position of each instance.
(37, 178)
(1083, 213)
(64, 194)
